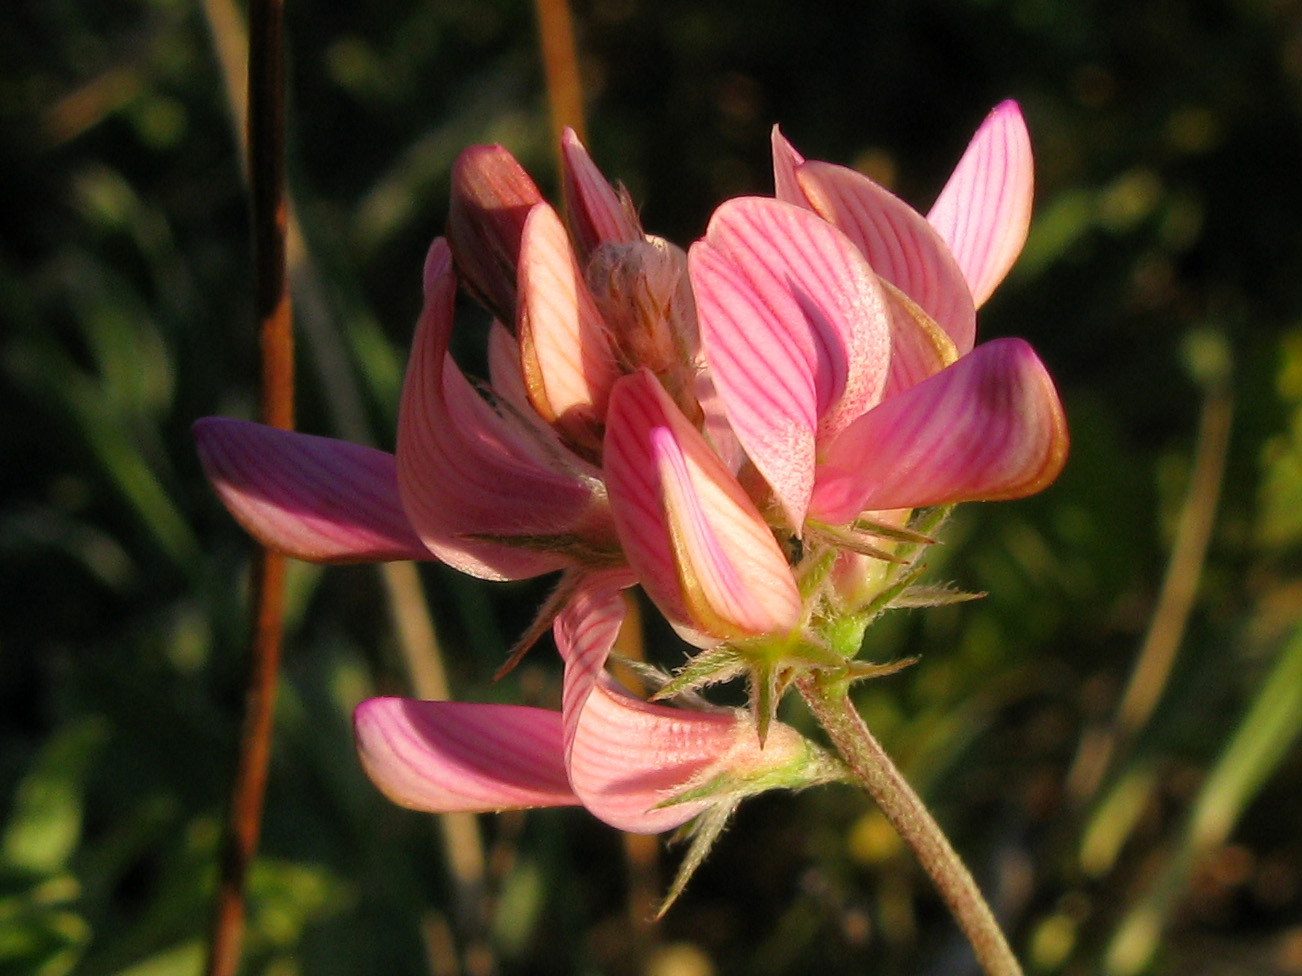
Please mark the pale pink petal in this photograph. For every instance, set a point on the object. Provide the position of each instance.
(989, 427)
(984, 211)
(898, 242)
(714, 423)
(565, 349)
(597, 213)
(919, 347)
(462, 472)
(796, 332)
(786, 163)
(449, 757)
(532, 435)
(491, 197)
(627, 756)
(585, 631)
(312, 498)
(699, 546)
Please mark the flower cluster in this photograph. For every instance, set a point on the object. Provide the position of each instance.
(743, 429)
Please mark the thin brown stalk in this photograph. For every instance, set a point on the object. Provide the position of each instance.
(266, 179)
(560, 67)
(408, 610)
(1156, 658)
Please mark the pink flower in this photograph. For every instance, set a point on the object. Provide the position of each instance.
(798, 382)
(486, 485)
(623, 759)
(838, 326)
(513, 483)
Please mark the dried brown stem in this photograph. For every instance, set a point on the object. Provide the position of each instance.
(561, 67)
(266, 127)
(1148, 680)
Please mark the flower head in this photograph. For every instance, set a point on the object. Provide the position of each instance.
(744, 429)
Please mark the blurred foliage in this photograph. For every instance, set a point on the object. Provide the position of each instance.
(1162, 275)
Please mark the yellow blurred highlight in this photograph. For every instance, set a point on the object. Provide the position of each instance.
(872, 840)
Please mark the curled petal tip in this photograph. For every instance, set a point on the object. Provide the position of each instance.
(786, 164)
(597, 212)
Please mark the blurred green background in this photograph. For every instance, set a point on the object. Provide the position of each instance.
(1126, 817)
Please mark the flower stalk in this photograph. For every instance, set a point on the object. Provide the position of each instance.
(871, 768)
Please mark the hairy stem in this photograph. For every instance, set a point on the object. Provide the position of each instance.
(873, 770)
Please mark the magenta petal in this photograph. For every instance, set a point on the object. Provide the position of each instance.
(699, 546)
(448, 757)
(989, 427)
(463, 472)
(796, 332)
(597, 213)
(898, 242)
(313, 498)
(984, 211)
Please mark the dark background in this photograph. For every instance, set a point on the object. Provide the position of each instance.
(1163, 279)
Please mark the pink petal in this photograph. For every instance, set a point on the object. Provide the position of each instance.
(448, 757)
(989, 427)
(564, 343)
(626, 756)
(786, 163)
(899, 244)
(596, 212)
(984, 211)
(796, 331)
(491, 197)
(463, 472)
(585, 631)
(310, 497)
(699, 546)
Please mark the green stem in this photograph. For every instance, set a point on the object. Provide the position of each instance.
(874, 771)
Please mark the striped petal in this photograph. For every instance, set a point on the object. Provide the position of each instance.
(597, 212)
(626, 756)
(463, 472)
(450, 757)
(984, 211)
(898, 242)
(491, 197)
(796, 331)
(565, 347)
(699, 546)
(989, 427)
(312, 498)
